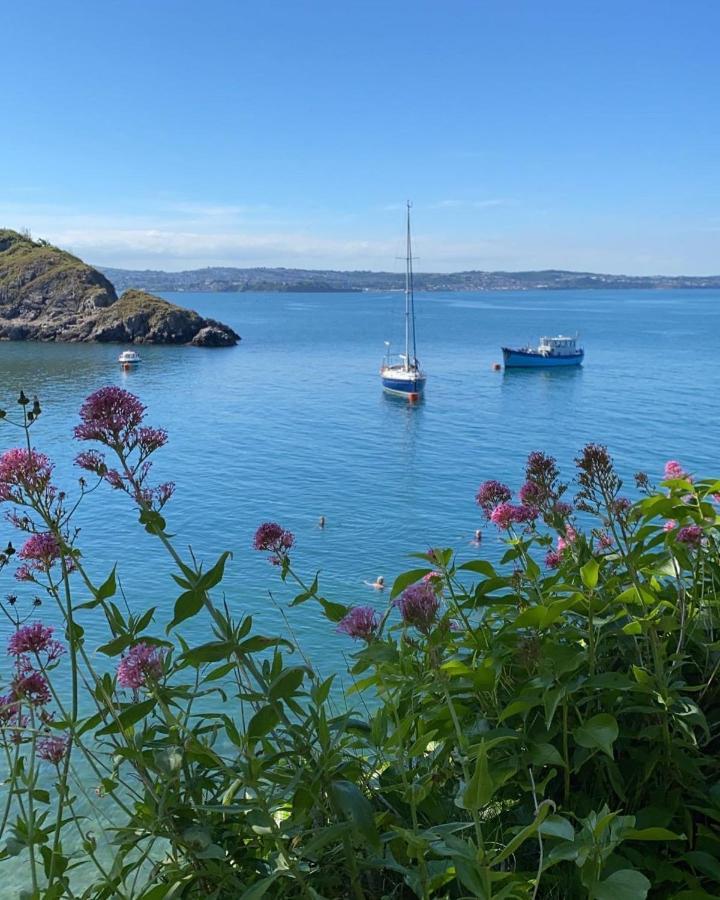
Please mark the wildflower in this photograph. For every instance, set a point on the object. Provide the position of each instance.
(30, 685)
(620, 505)
(503, 515)
(690, 534)
(24, 573)
(40, 551)
(642, 481)
(142, 662)
(23, 471)
(91, 461)
(52, 749)
(110, 416)
(360, 623)
(562, 509)
(418, 606)
(525, 513)
(490, 494)
(716, 498)
(435, 580)
(669, 525)
(9, 709)
(553, 559)
(271, 536)
(673, 470)
(151, 439)
(36, 638)
(604, 540)
(529, 492)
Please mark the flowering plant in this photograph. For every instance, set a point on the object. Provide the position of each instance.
(542, 727)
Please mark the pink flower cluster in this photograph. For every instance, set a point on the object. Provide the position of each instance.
(419, 606)
(669, 525)
(53, 749)
(37, 639)
(360, 623)
(554, 557)
(490, 494)
(142, 663)
(690, 534)
(673, 470)
(273, 537)
(23, 472)
(110, 416)
(29, 685)
(506, 514)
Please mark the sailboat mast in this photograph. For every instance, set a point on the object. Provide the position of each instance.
(409, 300)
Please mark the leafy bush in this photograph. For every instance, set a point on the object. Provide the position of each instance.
(545, 728)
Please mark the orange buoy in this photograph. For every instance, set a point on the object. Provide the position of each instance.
(496, 367)
(413, 397)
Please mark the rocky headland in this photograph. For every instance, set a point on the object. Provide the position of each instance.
(47, 294)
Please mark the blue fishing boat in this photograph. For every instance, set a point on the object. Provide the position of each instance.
(550, 352)
(406, 377)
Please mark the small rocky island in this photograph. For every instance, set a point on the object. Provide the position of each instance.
(47, 294)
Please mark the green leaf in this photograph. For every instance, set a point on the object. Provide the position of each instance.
(214, 575)
(525, 833)
(481, 566)
(187, 605)
(128, 717)
(264, 720)
(625, 884)
(335, 612)
(559, 827)
(213, 651)
(260, 888)
(652, 834)
(304, 596)
(598, 733)
(406, 579)
(116, 646)
(287, 682)
(479, 792)
(589, 574)
(352, 802)
(108, 588)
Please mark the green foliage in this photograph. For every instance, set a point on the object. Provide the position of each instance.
(537, 733)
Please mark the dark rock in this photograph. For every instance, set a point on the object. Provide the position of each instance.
(47, 294)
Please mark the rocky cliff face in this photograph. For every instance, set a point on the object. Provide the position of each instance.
(46, 294)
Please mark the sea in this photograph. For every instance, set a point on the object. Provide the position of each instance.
(292, 425)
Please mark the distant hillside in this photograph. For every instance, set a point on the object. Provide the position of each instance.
(318, 280)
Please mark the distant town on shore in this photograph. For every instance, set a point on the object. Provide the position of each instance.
(326, 280)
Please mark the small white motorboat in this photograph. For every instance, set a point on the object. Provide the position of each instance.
(128, 359)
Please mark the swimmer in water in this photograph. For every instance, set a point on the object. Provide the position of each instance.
(378, 584)
(477, 540)
(321, 522)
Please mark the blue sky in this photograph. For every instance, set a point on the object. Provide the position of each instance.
(175, 134)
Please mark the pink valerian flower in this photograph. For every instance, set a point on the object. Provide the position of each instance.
(24, 573)
(673, 470)
(114, 479)
(29, 685)
(36, 638)
(40, 551)
(530, 493)
(53, 749)
(605, 541)
(273, 537)
(490, 494)
(435, 580)
(620, 505)
(111, 416)
(553, 559)
(10, 711)
(23, 472)
(360, 623)
(142, 663)
(690, 534)
(419, 606)
(716, 498)
(669, 525)
(506, 514)
(562, 509)
(92, 461)
(151, 439)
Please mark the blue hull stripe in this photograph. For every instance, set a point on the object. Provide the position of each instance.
(401, 386)
(518, 359)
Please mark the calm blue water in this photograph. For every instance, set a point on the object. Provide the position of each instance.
(292, 424)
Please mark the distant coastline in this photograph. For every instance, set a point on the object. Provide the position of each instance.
(228, 279)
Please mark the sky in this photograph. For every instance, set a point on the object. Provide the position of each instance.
(170, 134)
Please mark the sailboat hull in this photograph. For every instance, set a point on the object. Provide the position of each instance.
(402, 383)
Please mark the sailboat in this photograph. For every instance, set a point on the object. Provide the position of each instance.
(405, 378)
